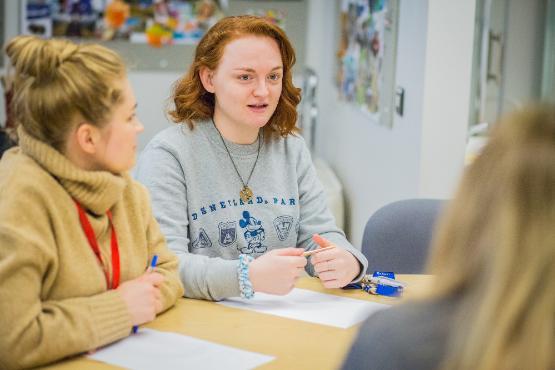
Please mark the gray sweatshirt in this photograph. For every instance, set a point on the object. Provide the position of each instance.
(195, 198)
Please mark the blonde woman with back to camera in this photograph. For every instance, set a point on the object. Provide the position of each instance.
(492, 304)
(76, 232)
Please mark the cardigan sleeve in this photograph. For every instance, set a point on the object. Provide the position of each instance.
(168, 263)
(34, 331)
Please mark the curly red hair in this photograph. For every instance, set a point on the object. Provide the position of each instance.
(194, 103)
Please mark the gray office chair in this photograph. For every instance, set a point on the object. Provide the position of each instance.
(397, 236)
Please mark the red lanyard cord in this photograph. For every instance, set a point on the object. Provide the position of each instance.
(89, 233)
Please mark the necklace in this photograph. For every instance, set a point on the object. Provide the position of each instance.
(246, 193)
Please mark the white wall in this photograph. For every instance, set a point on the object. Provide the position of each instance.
(446, 95)
(524, 52)
(378, 165)
(152, 91)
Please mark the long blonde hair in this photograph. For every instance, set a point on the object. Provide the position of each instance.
(56, 80)
(496, 249)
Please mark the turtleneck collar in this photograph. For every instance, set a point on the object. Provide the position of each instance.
(97, 191)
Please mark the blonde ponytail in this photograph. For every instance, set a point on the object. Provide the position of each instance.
(33, 57)
(57, 81)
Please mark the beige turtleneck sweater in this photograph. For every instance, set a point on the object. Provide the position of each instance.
(54, 301)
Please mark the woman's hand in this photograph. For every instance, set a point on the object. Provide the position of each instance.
(335, 267)
(142, 297)
(275, 272)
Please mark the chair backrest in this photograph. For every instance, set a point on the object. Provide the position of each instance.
(397, 236)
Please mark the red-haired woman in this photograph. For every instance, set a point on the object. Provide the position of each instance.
(232, 184)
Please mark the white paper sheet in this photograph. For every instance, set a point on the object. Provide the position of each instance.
(306, 305)
(156, 350)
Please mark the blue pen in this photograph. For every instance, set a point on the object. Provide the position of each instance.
(153, 263)
(150, 268)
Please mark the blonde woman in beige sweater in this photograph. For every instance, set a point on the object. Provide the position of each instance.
(76, 232)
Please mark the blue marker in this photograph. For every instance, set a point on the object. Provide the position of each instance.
(150, 268)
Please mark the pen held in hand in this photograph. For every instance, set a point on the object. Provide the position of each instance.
(153, 263)
(149, 269)
(314, 251)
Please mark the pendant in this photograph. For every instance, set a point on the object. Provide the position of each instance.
(245, 194)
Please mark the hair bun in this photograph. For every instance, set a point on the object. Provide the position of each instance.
(38, 58)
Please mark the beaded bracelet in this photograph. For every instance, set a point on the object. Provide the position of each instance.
(245, 284)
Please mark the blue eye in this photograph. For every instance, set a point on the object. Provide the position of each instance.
(274, 76)
(244, 77)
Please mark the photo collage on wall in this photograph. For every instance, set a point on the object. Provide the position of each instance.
(367, 48)
(156, 22)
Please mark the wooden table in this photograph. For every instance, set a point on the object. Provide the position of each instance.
(294, 344)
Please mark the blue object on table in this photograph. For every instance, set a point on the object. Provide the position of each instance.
(386, 274)
(387, 290)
